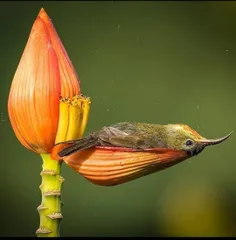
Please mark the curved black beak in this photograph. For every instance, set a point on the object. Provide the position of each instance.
(207, 142)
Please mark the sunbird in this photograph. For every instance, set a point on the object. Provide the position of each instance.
(141, 136)
(126, 151)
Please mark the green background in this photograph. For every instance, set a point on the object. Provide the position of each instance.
(158, 62)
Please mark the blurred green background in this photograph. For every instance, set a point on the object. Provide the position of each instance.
(158, 62)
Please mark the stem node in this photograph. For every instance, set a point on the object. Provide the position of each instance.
(43, 231)
(55, 216)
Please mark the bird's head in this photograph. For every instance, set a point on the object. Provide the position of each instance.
(182, 137)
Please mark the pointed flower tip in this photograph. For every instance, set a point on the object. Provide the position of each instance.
(70, 84)
(43, 15)
(41, 10)
(38, 31)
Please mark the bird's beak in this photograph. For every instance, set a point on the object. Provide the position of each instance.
(207, 142)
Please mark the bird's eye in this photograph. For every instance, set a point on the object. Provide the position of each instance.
(189, 142)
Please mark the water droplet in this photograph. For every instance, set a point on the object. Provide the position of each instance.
(227, 50)
(118, 27)
(198, 107)
(108, 109)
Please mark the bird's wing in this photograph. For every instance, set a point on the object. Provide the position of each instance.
(107, 136)
(114, 137)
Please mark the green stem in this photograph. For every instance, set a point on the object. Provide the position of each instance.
(50, 208)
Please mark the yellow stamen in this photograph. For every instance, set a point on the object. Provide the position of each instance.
(63, 120)
(75, 114)
(73, 118)
(85, 109)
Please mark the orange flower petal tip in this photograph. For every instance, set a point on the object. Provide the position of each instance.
(42, 14)
(70, 84)
(56, 149)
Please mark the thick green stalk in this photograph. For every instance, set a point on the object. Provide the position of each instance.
(50, 207)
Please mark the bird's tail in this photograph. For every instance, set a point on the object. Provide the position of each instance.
(78, 145)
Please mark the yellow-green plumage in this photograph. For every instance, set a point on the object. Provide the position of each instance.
(144, 136)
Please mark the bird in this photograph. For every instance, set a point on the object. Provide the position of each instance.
(138, 136)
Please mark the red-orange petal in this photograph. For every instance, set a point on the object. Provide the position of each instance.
(56, 149)
(70, 85)
(33, 103)
(107, 166)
